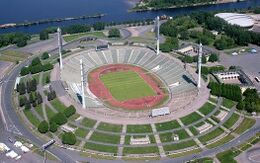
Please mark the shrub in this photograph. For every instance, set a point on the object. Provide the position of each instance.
(53, 127)
(69, 138)
(45, 55)
(43, 127)
(69, 111)
(25, 71)
(59, 119)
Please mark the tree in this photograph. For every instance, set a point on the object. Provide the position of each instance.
(69, 111)
(44, 35)
(39, 98)
(114, 32)
(22, 101)
(69, 138)
(25, 71)
(213, 57)
(31, 98)
(78, 28)
(47, 80)
(53, 127)
(98, 26)
(36, 61)
(241, 105)
(43, 127)
(45, 55)
(59, 119)
(21, 88)
(27, 105)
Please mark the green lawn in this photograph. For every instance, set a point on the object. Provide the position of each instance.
(73, 37)
(49, 112)
(32, 118)
(168, 136)
(80, 132)
(105, 138)
(211, 135)
(221, 141)
(39, 110)
(44, 77)
(193, 117)
(193, 130)
(167, 125)
(179, 146)
(13, 55)
(88, 122)
(231, 121)
(228, 103)
(146, 128)
(140, 150)
(126, 85)
(110, 127)
(215, 100)
(227, 156)
(247, 123)
(207, 108)
(101, 148)
(60, 107)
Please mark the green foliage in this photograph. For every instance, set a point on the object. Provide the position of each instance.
(224, 42)
(229, 91)
(257, 10)
(213, 57)
(43, 127)
(53, 127)
(18, 38)
(59, 119)
(45, 55)
(27, 106)
(36, 61)
(22, 101)
(21, 88)
(251, 102)
(208, 70)
(44, 35)
(69, 138)
(170, 44)
(25, 71)
(114, 32)
(69, 111)
(76, 29)
(98, 26)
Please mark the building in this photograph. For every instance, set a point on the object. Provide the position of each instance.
(187, 50)
(242, 20)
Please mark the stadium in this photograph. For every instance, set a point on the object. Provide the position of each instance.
(242, 20)
(128, 81)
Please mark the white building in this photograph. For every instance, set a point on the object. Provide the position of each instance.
(241, 20)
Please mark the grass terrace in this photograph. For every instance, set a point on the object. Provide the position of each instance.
(207, 108)
(49, 112)
(191, 118)
(39, 110)
(246, 124)
(179, 146)
(211, 135)
(228, 103)
(167, 125)
(88, 122)
(140, 150)
(105, 138)
(110, 127)
(168, 137)
(220, 142)
(146, 128)
(126, 85)
(101, 148)
(231, 121)
(80, 132)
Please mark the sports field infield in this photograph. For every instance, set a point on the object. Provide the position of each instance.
(126, 85)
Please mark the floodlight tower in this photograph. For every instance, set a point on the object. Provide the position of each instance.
(199, 65)
(60, 46)
(157, 25)
(82, 84)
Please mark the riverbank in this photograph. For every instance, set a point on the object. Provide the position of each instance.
(45, 21)
(142, 6)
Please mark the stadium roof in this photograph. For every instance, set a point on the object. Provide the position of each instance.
(241, 20)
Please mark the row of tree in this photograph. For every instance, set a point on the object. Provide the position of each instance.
(34, 99)
(251, 101)
(35, 67)
(229, 91)
(209, 70)
(30, 86)
(18, 38)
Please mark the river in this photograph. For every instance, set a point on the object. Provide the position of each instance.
(17, 11)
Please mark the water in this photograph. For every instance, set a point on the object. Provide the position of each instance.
(15, 11)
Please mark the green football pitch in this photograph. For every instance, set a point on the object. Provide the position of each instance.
(126, 85)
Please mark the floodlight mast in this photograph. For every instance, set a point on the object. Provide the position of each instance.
(82, 84)
(157, 35)
(199, 65)
(60, 46)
